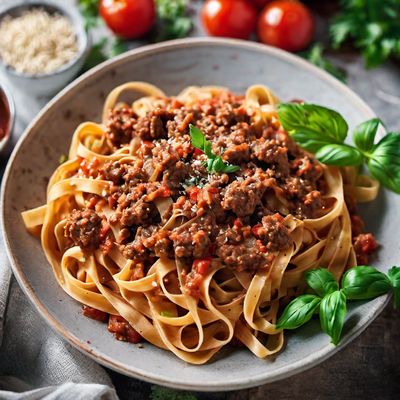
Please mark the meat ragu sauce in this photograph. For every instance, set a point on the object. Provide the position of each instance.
(237, 216)
(4, 116)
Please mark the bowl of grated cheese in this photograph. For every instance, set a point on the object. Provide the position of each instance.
(43, 45)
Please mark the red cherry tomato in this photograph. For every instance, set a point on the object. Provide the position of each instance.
(236, 19)
(261, 3)
(287, 24)
(129, 19)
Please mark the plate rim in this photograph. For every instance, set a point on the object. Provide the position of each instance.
(281, 373)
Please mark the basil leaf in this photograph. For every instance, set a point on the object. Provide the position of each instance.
(318, 124)
(332, 312)
(384, 162)
(214, 163)
(231, 168)
(311, 141)
(364, 134)
(197, 137)
(394, 277)
(218, 165)
(340, 155)
(298, 312)
(321, 281)
(364, 282)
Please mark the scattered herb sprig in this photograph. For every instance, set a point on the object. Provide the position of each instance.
(173, 19)
(90, 12)
(373, 26)
(214, 163)
(163, 393)
(358, 283)
(323, 131)
(315, 55)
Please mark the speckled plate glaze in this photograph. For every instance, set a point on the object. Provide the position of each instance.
(172, 66)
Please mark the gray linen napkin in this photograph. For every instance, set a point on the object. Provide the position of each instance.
(33, 356)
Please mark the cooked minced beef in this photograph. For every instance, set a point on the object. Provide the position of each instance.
(120, 126)
(236, 217)
(83, 229)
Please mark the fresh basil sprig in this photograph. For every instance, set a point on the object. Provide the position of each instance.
(306, 122)
(321, 281)
(332, 313)
(394, 277)
(358, 283)
(214, 163)
(298, 312)
(364, 282)
(323, 131)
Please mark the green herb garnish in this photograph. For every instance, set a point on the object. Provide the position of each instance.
(373, 26)
(323, 132)
(167, 314)
(332, 313)
(358, 283)
(118, 46)
(90, 12)
(163, 393)
(394, 277)
(315, 55)
(97, 55)
(174, 21)
(215, 164)
(298, 312)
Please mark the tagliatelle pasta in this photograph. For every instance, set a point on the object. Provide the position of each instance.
(135, 226)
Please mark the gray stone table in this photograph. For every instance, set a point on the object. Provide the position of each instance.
(369, 367)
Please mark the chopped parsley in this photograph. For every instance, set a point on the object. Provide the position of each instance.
(214, 163)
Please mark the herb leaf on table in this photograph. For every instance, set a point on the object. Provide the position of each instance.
(174, 21)
(372, 25)
(90, 12)
(315, 55)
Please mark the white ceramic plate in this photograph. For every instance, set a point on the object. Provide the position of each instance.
(173, 66)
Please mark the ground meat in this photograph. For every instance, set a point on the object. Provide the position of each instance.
(135, 175)
(153, 125)
(194, 240)
(161, 244)
(234, 216)
(243, 256)
(113, 171)
(312, 204)
(83, 229)
(273, 233)
(95, 314)
(139, 213)
(237, 154)
(176, 174)
(272, 152)
(119, 127)
(364, 245)
(243, 197)
(122, 330)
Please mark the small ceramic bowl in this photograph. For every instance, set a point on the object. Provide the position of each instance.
(7, 116)
(49, 84)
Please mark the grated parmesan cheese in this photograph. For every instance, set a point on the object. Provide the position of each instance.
(37, 42)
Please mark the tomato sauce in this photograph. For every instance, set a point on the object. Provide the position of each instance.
(4, 115)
